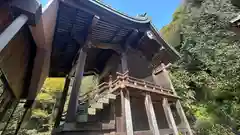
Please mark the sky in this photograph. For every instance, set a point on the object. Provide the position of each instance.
(160, 11)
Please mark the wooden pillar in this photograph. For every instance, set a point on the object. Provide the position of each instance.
(62, 102)
(169, 115)
(119, 114)
(124, 62)
(122, 127)
(126, 111)
(125, 100)
(151, 115)
(178, 104)
(183, 117)
(73, 102)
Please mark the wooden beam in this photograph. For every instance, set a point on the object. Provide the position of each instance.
(151, 115)
(127, 113)
(8, 34)
(130, 39)
(170, 117)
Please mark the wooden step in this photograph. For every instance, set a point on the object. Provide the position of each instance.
(91, 111)
(82, 118)
(97, 105)
(104, 100)
(110, 96)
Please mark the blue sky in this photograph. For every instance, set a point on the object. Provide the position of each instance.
(44, 2)
(160, 11)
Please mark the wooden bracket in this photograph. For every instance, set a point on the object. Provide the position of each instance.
(161, 68)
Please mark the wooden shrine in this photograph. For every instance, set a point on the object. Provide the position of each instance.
(77, 38)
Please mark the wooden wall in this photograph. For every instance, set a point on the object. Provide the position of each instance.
(14, 61)
(14, 57)
(162, 79)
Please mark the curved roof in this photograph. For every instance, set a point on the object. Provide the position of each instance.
(113, 29)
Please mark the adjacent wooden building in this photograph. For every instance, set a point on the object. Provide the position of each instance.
(72, 39)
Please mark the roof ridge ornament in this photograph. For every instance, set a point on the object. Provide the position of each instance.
(142, 15)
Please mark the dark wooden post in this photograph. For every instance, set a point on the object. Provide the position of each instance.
(178, 104)
(73, 102)
(125, 100)
(62, 102)
(125, 97)
(151, 115)
(123, 127)
(124, 63)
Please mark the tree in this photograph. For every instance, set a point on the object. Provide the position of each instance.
(207, 76)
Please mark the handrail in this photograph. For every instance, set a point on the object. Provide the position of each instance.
(93, 90)
(123, 76)
(150, 84)
(106, 87)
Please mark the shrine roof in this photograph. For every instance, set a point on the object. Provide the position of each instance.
(74, 17)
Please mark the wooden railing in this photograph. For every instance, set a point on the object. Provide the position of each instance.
(143, 83)
(123, 79)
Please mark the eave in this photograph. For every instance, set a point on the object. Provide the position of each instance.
(113, 28)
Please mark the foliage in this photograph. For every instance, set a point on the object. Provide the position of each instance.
(39, 113)
(171, 32)
(207, 76)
